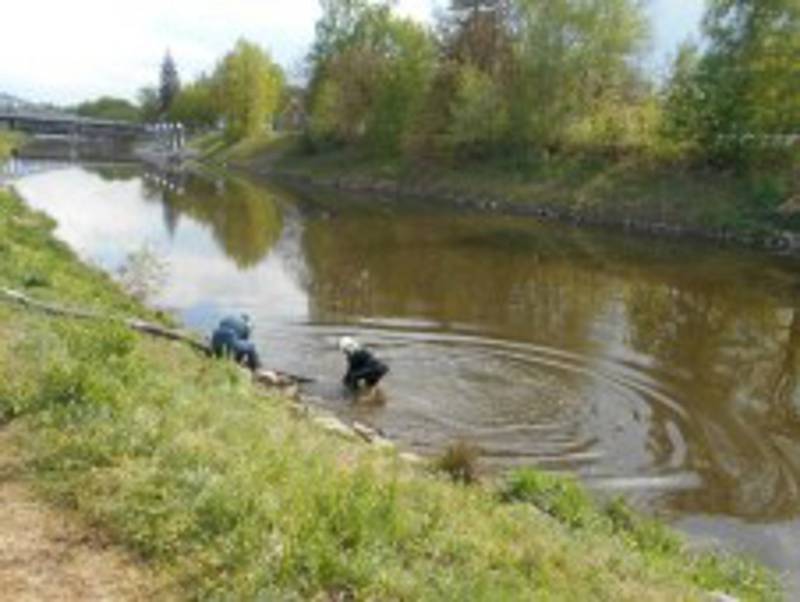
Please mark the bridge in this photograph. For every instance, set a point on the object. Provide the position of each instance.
(55, 134)
(38, 120)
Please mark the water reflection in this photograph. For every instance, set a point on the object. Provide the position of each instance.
(662, 370)
(676, 377)
(243, 224)
(738, 354)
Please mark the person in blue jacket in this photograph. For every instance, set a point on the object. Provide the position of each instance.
(232, 339)
(364, 370)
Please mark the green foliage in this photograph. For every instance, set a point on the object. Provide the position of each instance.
(249, 87)
(566, 501)
(479, 114)
(524, 88)
(106, 107)
(535, 78)
(402, 83)
(324, 124)
(573, 56)
(196, 106)
(558, 496)
(683, 103)
(644, 533)
(738, 101)
(149, 104)
(522, 74)
(370, 74)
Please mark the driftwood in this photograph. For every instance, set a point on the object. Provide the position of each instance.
(280, 379)
(82, 314)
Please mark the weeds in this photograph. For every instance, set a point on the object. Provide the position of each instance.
(143, 274)
(460, 461)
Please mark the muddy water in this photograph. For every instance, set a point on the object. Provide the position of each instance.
(661, 370)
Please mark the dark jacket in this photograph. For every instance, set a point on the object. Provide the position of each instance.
(363, 367)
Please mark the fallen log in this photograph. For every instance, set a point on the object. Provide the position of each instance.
(150, 328)
(82, 314)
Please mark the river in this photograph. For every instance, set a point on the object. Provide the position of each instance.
(665, 371)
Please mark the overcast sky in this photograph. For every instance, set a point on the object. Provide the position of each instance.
(64, 51)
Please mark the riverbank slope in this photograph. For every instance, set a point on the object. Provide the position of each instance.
(226, 492)
(627, 193)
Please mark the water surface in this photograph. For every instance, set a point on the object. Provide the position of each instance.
(665, 371)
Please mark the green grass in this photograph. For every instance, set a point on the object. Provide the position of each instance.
(231, 496)
(254, 152)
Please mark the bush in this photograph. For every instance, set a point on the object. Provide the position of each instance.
(460, 461)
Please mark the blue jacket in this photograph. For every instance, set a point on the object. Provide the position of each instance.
(236, 325)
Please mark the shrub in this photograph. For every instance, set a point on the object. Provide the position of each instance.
(460, 461)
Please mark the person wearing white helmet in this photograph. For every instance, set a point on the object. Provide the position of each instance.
(364, 370)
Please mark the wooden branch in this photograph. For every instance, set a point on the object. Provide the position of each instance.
(15, 296)
(156, 330)
(133, 323)
(167, 333)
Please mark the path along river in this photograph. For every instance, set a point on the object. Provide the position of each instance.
(661, 370)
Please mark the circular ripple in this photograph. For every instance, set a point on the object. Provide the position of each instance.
(520, 403)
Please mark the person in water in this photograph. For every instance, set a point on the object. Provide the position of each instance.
(232, 339)
(364, 370)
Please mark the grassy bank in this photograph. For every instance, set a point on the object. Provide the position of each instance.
(594, 189)
(230, 496)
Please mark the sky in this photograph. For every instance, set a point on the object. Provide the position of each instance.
(64, 52)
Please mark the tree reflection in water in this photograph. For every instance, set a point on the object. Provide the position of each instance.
(735, 354)
(244, 220)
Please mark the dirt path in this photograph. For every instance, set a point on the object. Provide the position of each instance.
(46, 554)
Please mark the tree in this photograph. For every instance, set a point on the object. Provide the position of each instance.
(149, 104)
(170, 83)
(370, 72)
(249, 86)
(107, 107)
(479, 113)
(571, 54)
(336, 27)
(405, 69)
(505, 75)
(749, 75)
(478, 33)
(196, 106)
(738, 101)
(683, 99)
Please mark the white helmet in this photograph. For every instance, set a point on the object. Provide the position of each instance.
(348, 345)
